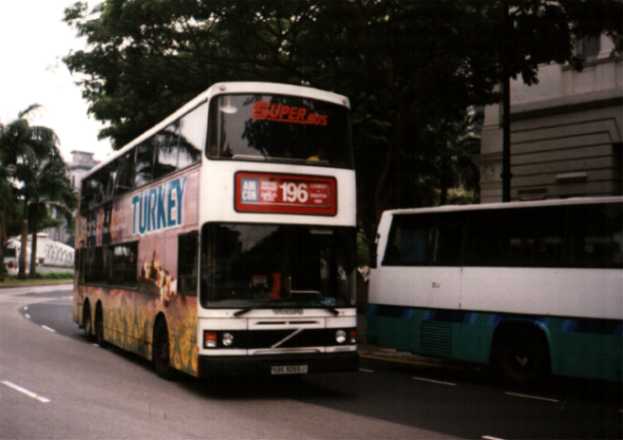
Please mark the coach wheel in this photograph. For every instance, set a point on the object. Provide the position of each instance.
(522, 359)
(99, 326)
(87, 322)
(160, 350)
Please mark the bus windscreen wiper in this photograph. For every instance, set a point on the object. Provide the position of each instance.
(245, 310)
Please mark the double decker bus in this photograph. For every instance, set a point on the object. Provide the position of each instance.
(222, 240)
(531, 288)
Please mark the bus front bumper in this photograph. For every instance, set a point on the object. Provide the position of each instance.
(275, 364)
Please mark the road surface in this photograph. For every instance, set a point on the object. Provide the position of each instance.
(55, 384)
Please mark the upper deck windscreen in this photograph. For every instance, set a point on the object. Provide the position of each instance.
(277, 128)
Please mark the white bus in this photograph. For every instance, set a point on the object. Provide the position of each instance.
(51, 255)
(222, 239)
(530, 287)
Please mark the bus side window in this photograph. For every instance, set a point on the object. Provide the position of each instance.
(187, 264)
(144, 163)
(125, 175)
(596, 235)
(166, 145)
(124, 264)
(192, 131)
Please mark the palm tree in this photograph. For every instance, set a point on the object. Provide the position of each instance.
(39, 179)
(46, 186)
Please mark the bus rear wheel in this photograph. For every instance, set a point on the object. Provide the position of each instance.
(99, 326)
(160, 350)
(522, 358)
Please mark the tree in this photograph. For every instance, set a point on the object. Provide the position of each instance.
(46, 187)
(410, 68)
(38, 179)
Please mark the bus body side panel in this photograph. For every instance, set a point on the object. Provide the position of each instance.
(151, 218)
(583, 347)
(589, 348)
(440, 333)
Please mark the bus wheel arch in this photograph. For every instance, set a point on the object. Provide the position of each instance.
(161, 350)
(520, 352)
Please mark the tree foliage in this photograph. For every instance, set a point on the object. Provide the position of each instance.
(411, 68)
(37, 180)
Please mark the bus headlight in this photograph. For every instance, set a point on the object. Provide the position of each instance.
(340, 336)
(227, 339)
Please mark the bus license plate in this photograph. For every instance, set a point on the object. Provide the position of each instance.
(276, 370)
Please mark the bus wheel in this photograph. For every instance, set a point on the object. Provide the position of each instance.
(522, 358)
(99, 326)
(160, 350)
(87, 322)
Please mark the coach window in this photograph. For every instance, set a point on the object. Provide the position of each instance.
(485, 237)
(187, 264)
(424, 240)
(410, 241)
(596, 235)
(534, 237)
(144, 163)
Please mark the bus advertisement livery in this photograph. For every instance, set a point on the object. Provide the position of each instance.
(529, 287)
(222, 240)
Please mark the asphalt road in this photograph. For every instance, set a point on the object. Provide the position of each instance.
(55, 384)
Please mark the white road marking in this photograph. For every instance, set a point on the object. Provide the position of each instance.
(27, 316)
(26, 392)
(25, 308)
(51, 330)
(366, 370)
(438, 382)
(490, 437)
(96, 345)
(529, 396)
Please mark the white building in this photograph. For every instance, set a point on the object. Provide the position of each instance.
(81, 163)
(566, 131)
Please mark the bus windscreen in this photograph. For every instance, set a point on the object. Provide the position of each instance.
(279, 128)
(277, 266)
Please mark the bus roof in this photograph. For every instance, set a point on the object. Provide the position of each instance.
(227, 87)
(508, 205)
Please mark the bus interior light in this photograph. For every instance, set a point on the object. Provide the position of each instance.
(210, 339)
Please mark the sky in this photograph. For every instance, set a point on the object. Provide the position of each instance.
(33, 41)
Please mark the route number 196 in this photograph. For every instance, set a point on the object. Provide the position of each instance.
(294, 192)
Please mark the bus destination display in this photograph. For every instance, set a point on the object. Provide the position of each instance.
(285, 193)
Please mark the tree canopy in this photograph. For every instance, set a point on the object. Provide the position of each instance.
(33, 179)
(410, 68)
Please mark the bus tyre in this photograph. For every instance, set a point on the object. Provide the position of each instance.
(87, 322)
(160, 350)
(522, 358)
(99, 326)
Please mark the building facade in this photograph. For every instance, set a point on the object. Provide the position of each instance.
(566, 131)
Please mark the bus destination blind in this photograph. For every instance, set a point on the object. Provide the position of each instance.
(285, 193)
